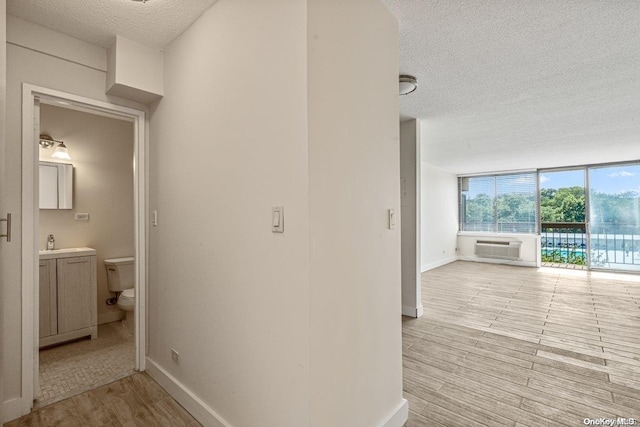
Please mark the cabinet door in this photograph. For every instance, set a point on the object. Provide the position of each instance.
(48, 298)
(74, 294)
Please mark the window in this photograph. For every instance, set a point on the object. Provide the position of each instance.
(498, 203)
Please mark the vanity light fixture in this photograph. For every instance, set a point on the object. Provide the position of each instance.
(60, 152)
(408, 84)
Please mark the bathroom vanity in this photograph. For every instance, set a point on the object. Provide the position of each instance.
(68, 295)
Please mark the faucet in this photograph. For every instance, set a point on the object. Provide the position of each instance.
(51, 243)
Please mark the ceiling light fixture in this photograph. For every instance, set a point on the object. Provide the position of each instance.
(408, 84)
(60, 152)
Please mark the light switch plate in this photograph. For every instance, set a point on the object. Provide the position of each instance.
(81, 216)
(277, 219)
(392, 219)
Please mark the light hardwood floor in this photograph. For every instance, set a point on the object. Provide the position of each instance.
(133, 401)
(514, 346)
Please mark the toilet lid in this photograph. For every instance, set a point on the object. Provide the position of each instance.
(127, 293)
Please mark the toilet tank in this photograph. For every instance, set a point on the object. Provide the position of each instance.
(120, 273)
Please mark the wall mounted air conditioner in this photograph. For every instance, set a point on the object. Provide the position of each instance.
(500, 249)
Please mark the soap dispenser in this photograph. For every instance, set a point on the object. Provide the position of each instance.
(51, 243)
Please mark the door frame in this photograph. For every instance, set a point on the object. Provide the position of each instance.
(31, 216)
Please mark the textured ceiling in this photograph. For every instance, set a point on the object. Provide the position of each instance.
(504, 84)
(154, 23)
(507, 85)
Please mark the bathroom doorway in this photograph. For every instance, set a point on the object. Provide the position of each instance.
(89, 206)
(106, 145)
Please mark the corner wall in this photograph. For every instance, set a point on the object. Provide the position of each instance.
(283, 103)
(101, 151)
(439, 225)
(411, 196)
(356, 360)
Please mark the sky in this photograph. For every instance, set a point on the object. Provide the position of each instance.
(611, 179)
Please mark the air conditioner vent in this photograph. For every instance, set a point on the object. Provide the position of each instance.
(500, 249)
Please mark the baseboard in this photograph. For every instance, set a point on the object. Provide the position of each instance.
(185, 397)
(11, 409)
(439, 263)
(499, 261)
(110, 316)
(209, 418)
(412, 311)
(399, 416)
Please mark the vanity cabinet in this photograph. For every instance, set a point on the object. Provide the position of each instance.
(48, 298)
(68, 301)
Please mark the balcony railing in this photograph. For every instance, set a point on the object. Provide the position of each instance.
(616, 246)
(564, 243)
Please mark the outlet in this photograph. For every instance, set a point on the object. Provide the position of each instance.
(175, 356)
(81, 216)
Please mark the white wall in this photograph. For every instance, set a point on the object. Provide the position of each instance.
(43, 40)
(439, 225)
(294, 329)
(38, 62)
(229, 142)
(410, 196)
(101, 150)
(356, 373)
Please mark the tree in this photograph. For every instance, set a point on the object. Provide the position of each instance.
(562, 205)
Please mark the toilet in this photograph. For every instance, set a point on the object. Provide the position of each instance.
(120, 277)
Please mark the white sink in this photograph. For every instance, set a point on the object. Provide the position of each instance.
(67, 253)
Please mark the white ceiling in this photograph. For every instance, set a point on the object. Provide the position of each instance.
(507, 85)
(154, 23)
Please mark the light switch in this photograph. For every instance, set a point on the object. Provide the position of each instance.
(154, 219)
(392, 219)
(277, 219)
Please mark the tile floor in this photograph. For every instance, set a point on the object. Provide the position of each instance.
(69, 369)
(516, 346)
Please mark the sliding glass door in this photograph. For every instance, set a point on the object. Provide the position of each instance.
(614, 216)
(563, 214)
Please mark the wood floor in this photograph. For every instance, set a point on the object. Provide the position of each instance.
(133, 401)
(516, 346)
(497, 346)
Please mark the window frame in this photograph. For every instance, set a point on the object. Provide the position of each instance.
(496, 218)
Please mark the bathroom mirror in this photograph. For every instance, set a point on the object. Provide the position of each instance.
(56, 185)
